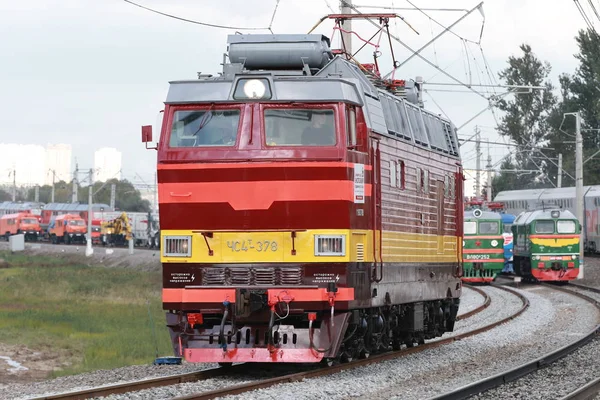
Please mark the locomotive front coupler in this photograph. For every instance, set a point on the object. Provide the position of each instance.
(331, 291)
(222, 327)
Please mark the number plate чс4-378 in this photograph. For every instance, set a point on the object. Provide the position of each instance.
(250, 245)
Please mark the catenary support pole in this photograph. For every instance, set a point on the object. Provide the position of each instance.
(579, 186)
(345, 8)
(559, 174)
(89, 249)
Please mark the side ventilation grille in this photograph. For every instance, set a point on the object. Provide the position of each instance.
(360, 252)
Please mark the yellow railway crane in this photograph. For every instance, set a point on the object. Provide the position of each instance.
(116, 232)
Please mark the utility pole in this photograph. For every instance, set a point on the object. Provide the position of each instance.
(74, 197)
(489, 176)
(478, 162)
(113, 195)
(14, 175)
(346, 8)
(579, 187)
(89, 250)
(559, 175)
(53, 183)
(37, 194)
(579, 200)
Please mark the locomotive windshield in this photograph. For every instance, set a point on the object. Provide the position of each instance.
(297, 127)
(544, 227)
(565, 226)
(195, 128)
(29, 221)
(75, 222)
(470, 227)
(487, 227)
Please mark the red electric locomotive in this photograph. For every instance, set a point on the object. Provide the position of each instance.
(306, 214)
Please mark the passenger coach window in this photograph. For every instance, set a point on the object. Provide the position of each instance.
(488, 227)
(565, 226)
(544, 227)
(296, 127)
(204, 128)
(470, 228)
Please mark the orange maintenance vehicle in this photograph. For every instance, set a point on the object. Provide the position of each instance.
(20, 223)
(96, 234)
(67, 228)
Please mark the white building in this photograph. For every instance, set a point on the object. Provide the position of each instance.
(24, 163)
(107, 164)
(58, 159)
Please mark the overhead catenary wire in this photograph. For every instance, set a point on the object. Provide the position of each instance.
(585, 17)
(397, 39)
(199, 22)
(410, 8)
(273, 17)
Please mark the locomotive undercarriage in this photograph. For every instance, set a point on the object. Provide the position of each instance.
(554, 271)
(288, 335)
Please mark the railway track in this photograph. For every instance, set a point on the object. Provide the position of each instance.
(312, 372)
(520, 371)
(487, 300)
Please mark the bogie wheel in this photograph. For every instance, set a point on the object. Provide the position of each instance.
(330, 362)
(347, 357)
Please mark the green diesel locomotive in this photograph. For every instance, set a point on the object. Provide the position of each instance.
(483, 246)
(546, 245)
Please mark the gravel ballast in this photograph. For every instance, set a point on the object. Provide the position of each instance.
(557, 317)
(555, 381)
(469, 301)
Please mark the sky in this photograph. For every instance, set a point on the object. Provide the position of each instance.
(91, 72)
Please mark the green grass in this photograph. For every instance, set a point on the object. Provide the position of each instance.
(97, 317)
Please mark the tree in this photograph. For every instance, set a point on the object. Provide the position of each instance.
(579, 92)
(62, 193)
(506, 179)
(5, 196)
(127, 197)
(525, 121)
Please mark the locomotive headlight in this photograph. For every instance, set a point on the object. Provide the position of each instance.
(494, 243)
(463, 243)
(536, 257)
(184, 246)
(330, 245)
(574, 256)
(252, 89)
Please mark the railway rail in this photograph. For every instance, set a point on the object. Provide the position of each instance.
(539, 363)
(293, 377)
(487, 300)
